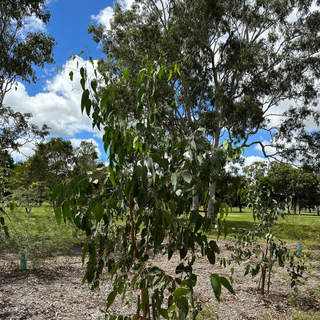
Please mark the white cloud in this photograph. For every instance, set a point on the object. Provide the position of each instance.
(33, 24)
(58, 106)
(251, 159)
(105, 15)
(248, 161)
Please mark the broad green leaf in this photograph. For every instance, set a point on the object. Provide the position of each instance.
(98, 212)
(140, 128)
(58, 215)
(140, 94)
(82, 72)
(84, 251)
(84, 99)
(181, 292)
(88, 107)
(126, 74)
(112, 177)
(216, 285)
(94, 85)
(184, 306)
(112, 295)
(104, 98)
(56, 191)
(211, 256)
(187, 177)
(172, 207)
(170, 75)
(140, 77)
(227, 285)
(71, 75)
(164, 313)
(174, 180)
(225, 144)
(145, 297)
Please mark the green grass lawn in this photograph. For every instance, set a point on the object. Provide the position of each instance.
(294, 227)
(37, 231)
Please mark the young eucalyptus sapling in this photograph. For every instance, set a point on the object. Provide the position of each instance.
(141, 187)
(266, 212)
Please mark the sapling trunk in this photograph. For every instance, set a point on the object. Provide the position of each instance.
(264, 269)
(133, 241)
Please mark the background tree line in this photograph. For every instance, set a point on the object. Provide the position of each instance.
(54, 161)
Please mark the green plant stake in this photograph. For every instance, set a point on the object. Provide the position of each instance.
(23, 260)
(299, 247)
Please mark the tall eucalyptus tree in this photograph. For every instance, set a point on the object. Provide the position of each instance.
(239, 61)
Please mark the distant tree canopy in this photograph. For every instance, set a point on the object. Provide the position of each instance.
(239, 60)
(299, 185)
(85, 157)
(21, 51)
(54, 162)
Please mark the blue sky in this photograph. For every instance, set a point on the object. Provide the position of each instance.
(54, 99)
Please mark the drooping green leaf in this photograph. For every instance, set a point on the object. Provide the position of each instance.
(187, 177)
(98, 212)
(140, 128)
(211, 256)
(227, 285)
(174, 180)
(184, 307)
(104, 98)
(112, 178)
(126, 74)
(112, 295)
(140, 94)
(56, 191)
(58, 215)
(181, 292)
(216, 285)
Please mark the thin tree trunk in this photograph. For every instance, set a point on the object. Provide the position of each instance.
(212, 185)
(195, 203)
(212, 193)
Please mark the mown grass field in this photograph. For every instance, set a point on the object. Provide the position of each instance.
(305, 227)
(39, 232)
(36, 231)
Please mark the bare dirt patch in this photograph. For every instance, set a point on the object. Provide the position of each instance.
(55, 291)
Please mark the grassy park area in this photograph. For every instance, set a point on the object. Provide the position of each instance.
(38, 232)
(292, 228)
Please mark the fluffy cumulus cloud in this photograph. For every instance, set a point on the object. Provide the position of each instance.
(34, 24)
(104, 16)
(58, 105)
(247, 162)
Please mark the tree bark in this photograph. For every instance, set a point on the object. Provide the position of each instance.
(195, 203)
(212, 185)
